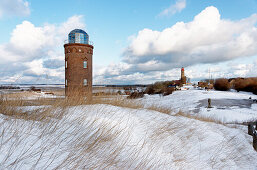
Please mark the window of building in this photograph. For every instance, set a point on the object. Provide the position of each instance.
(66, 64)
(66, 82)
(85, 82)
(85, 64)
(77, 38)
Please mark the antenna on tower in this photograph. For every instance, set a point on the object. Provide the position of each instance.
(209, 71)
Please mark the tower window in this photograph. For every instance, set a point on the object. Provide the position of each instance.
(66, 82)
(66, 64)
(85, 82)
(85, 64)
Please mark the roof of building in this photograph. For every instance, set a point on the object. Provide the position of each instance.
(77, 31)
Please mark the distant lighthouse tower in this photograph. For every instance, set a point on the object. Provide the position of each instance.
(183, 77)
(78, 65)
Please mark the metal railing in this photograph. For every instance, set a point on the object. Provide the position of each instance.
(89, 42)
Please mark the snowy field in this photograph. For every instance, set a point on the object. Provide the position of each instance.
(228, 106)
(102, 136)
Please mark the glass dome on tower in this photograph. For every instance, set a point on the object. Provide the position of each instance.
(78, 36)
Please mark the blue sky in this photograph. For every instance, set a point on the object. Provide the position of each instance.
(136, 41)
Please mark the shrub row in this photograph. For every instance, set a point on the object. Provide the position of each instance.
(9, 87)
(239, 84)
(246, 84)
(160, 88)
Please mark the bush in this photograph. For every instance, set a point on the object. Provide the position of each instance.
(150, 90)
(9, 87)
(168, 91)
(254, 90)
(127, 88)
(246, 84)
(136, 95)
(33, 88)
(202, 84)
(161, 87)
(222, 84)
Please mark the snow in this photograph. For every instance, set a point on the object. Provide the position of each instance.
(131, 138)
(35, 96)
(102, 136)
(38, 95)
(228, 106)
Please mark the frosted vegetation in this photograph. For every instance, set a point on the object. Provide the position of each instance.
(116, 133)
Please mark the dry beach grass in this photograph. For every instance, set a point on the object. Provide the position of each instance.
(72, 134)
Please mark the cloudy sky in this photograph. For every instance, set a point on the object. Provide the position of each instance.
(135, 41)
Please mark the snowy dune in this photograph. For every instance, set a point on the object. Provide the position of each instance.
(104, 136)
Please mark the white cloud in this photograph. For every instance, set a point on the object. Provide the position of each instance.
(35, 67)
(32, 42)
(32, 48)
(76, 21)
(28, 39)
(202, 44)
(14, 7)
(174, 8)
(206, 39)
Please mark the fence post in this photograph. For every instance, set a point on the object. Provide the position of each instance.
(250, 129)
(209, 103)
(255, 141)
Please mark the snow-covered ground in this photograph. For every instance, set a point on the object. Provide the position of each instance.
(31, 95)
(228, 106)
(102, 136)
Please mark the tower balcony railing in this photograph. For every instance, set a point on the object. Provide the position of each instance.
(89, 42)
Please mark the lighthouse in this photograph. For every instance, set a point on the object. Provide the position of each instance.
(183, 77)
(78, 65)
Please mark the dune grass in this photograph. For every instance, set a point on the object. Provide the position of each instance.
(66, 134)
(38, 133)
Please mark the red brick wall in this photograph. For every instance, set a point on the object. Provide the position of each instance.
(75, 73)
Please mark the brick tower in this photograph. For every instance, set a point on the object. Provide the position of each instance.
(183, 77)
(78, 65)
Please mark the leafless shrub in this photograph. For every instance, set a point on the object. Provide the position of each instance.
(9, 87)
(168, 91)
(150, 90)
(33, 88)
(160, 88)
(222, 84)
(246, 84)
(136, 95)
